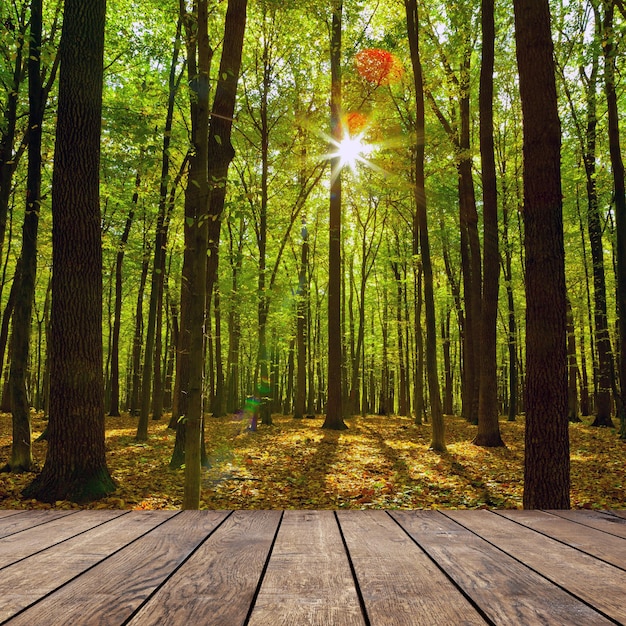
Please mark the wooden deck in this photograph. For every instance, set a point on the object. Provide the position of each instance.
(312, 567)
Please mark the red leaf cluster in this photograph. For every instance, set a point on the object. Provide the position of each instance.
(378, 66)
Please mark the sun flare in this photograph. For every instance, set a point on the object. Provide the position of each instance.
(352, 149)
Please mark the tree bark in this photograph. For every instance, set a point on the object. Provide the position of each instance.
(617, 166)
(75, 466)
(21, 454)
(488, 425)
(334, 401)
(546, 470)
(420, 233)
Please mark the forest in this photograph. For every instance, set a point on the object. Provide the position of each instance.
(298, 215)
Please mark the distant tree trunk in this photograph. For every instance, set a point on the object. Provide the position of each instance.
(546, 469)
(135, 395)
(584, 382)
(21, 454)
(472, 270)
(217, 404)
(9, 160)
(6, 319)
(114, 407)
(334, 400)
(402, 383)
(447, 365)
(302, 324)
(234, 322)
(511, 319)
(418, 392)
(420, 230)
(601, 327)
(572, 368)
(75, 466)
(160, 245)
(617, 165)
(488, 425)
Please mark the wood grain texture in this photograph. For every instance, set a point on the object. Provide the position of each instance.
(507, 592)
(596, 543)
(308, 579)
(110, 592)
(217, 583)
(26, 542)
(600, 520)
(596, 582)
(28, 519)
(313, 567)
(32, 578)
(400, 585)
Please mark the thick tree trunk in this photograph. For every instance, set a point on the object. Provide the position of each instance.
(75, 466)
(546, 469)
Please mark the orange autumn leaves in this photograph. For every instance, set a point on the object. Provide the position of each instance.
(378, 67)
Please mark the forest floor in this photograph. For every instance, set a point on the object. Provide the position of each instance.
(379, 462)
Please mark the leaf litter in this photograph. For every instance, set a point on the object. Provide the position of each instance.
(379, 462)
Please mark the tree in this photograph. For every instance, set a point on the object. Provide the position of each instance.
(488, 427)
(421, 241)
(546, 473)
(21, 456)
(75, 466)
(334, 404)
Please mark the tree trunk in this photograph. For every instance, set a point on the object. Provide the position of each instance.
(114, 406)
(21, 454)
(8, 159)
(418, 385)
(334, 400)
(135, 395)
(160, 244)
(302, 324)
(75, 466)
(546, 470)
(420, 233)
(617, 166)
(488, 425)
(572, 368)
(602, 338)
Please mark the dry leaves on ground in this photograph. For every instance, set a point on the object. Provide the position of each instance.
(379, 462)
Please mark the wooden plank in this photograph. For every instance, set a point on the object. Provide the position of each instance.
(619, 513)
(308, 578)
(26, 542)
(597, 583)
(7, 512)
(600, 520)
(399, 583)
(507, 591)
(110, 592)
(594, 542)
(217, 584)
(28, 519)
(26, 582)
